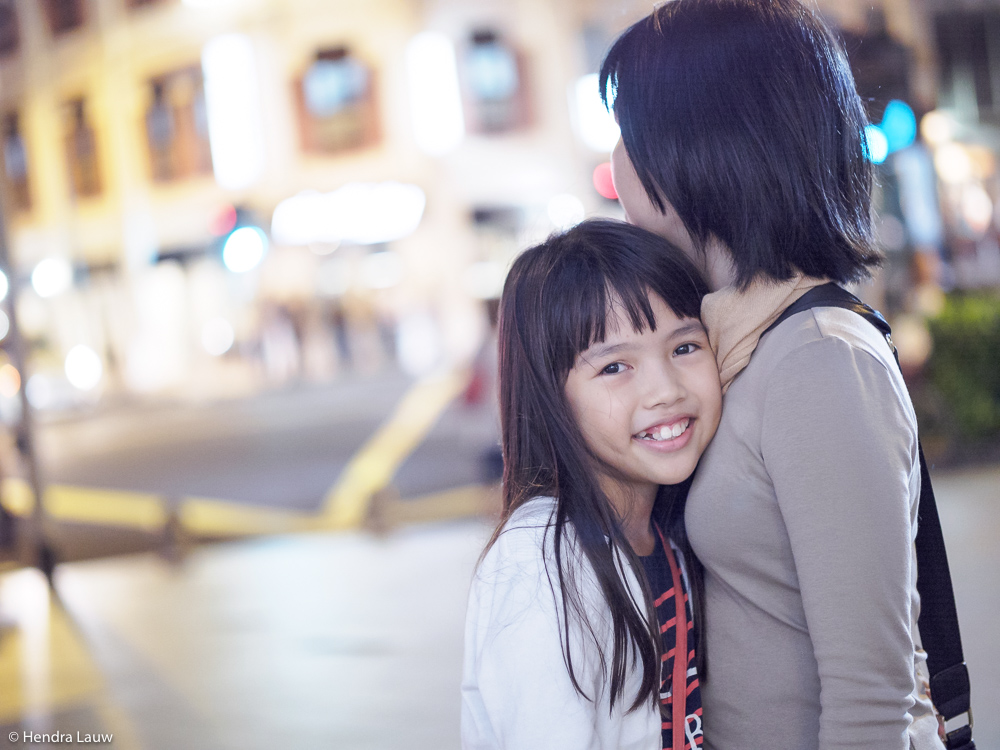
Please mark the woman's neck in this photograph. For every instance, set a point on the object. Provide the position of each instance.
(717, 265)
(635, 508)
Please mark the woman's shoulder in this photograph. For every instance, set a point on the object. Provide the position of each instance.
(826, 330)
(835, 361)
(827, 352)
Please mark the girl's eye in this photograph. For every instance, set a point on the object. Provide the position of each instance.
(613, 369)
(689, 348)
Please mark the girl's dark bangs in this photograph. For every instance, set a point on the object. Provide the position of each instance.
(599, 293)
(631, 293)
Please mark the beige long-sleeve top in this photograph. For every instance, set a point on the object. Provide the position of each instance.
(804, 513)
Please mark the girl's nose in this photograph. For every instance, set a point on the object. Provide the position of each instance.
(662, 387)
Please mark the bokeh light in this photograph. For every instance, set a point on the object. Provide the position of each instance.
(603, 183)
(39, 390)
(597, 127)
(876, 144)
(10, 381)
(244, 249)
(899, 125)
(360, 213)
(4, 286)
(232, 103)
(953, 163)
(937, 128)
(52, 277)
(83, 368)
(435, 95)
(217, 336)
(224, 221)
(977, 208)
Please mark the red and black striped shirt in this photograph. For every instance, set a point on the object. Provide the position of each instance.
(658, 573)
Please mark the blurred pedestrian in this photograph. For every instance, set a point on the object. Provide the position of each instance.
(742, 143)
(580, 629)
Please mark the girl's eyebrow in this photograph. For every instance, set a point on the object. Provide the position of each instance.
(603, 350)
(687, 329)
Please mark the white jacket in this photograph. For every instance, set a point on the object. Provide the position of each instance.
(516, 690)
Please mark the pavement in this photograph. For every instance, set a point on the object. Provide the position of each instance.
(969, 504)
(324, 640)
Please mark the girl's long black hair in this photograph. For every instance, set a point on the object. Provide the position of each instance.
(555, 304)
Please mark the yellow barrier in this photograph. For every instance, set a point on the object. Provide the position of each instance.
(345, 506)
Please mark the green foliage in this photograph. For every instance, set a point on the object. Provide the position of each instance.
(965, 365)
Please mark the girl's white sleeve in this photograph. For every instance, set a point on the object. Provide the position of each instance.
(516, 690)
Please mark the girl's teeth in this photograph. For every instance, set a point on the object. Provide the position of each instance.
(667, 433)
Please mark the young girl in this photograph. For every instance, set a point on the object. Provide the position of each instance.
(608, 391)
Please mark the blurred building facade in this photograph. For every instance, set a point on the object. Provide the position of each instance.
(209, 196)
(118, 169)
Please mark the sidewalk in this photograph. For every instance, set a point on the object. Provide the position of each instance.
(327, 640)
(969, 502)
(345, 639)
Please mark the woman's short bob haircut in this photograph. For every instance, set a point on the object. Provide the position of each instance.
(743, 115)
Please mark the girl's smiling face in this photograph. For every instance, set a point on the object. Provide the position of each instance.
(647, 403)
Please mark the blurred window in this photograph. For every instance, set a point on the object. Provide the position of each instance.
(15, 163)
(880, 63)
(494, 82)
(969, 56)
(64, 15)
(10, 36)
(177, 127)
(81, 149)
(499, 231)
(336, 98)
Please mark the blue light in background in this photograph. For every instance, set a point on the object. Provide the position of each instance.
(876, 144)
(899, 125)
(244, 249)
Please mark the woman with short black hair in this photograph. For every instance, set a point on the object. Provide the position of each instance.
(742, 143)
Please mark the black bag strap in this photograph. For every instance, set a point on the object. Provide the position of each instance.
(938, 621)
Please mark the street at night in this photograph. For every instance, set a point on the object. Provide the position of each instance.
(272, 270)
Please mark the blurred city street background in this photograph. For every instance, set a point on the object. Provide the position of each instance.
(250, 255)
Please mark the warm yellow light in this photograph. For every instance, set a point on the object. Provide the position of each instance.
(937, 128)
(977, 208)
(953, 163)
(10, 381)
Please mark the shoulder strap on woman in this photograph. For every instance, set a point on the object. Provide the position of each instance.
(938, 622)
